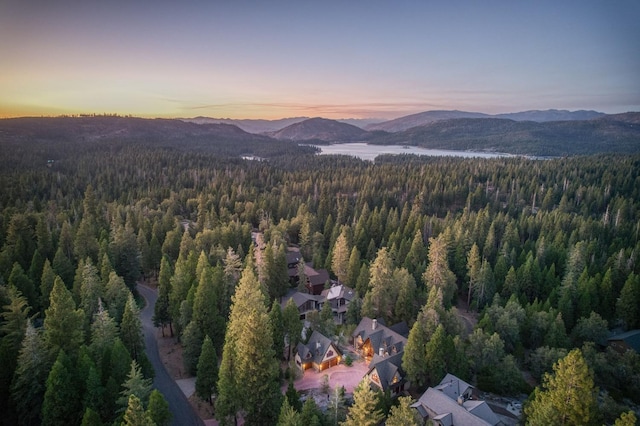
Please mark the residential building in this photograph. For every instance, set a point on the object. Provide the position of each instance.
(319, 353)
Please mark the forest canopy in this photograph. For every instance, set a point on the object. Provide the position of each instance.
(546, 252)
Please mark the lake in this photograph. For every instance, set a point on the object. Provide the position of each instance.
(370, 152)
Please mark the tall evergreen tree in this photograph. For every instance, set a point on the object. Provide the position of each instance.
(28, 386)
(567, 397)
(438, 273)
(62, 402)
(158, 409)
(364, 410)
(207, 371)
(162, 312)
(63, 323)
(131, 329)
(248, 357)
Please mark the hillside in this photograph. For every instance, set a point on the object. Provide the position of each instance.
(428, 117)
(91, 133)
(249, 125)
(321, 129)
(422, 118)
(614, 133)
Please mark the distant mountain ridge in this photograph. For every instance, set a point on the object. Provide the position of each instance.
(321, 129)
(611, 133)
(249, 125)
(427, 117)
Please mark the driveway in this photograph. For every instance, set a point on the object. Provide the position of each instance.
(182, 412)
(340, 375)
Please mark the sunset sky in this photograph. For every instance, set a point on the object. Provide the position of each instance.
(336, 59)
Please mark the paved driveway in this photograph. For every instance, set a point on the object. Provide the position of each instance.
(340, 375)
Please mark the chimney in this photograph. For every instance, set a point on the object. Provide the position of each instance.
(374, 324)
(381, 352)
(460, 400)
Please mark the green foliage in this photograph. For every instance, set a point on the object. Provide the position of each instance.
(207, 371)
(63, 323)
(567, 396)
(158, 409)
(62, 400)
(363, 412)
(403, 415)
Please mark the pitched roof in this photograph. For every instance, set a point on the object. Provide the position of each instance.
(453, 387)
(320, 276)
(339, 292)
(316, 348)
(449, 412)
(380, 336)
(299, 298)
(387, 368)
(442, 403)
(631, 338)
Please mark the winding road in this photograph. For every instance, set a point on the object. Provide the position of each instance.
(182, 412)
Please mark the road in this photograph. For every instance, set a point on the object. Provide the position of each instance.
(182, 412)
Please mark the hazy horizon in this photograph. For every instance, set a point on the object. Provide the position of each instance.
(373, 60)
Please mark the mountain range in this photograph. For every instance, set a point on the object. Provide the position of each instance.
(527, 133)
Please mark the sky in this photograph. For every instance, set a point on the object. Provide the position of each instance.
(336, 59)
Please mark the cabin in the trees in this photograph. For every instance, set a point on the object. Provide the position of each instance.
(305, 302)
(453, 402)
(386, 373)
(625, 341)
(319, 353)
(372, 337)
(339, 297)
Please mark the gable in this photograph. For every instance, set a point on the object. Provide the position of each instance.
(330, 353)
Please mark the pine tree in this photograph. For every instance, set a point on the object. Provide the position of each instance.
(162, 312)
(116, 296)
(473, 270)
(103, 332)
(135, 384)
(276, 323)
(288, 415)
(63, 266)
(46, 284)
(379, 301)
(158, 409)
(19, 279)
(438, 273)
(567, 396)
(340, 256)
(91, 291)
(63, 322)
(131, 329)
(363, 412)
(628, 306)
(28, 386)
(402, 414)
(292, 325)
(62, 402)
(207, 371)
(437, 352)
(248, 360)
(134, 414)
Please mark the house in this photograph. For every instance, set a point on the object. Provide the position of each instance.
(386, 373)
(339, 297)
(625, 341)
(306, 303)
(371, 337)
(452, 403)
(319, 352)
(316, 280)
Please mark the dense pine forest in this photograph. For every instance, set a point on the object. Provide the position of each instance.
(544, 253)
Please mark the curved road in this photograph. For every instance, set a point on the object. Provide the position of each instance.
(183, 414)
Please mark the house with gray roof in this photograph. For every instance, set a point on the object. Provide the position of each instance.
(452, 403)
(371, 337)
(386, 373)
(318, 353)
(339, 297)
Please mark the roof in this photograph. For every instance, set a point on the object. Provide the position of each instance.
(631, 338)
(339, 292)
(402, 328)
(387, 368)
(449, 412)
(293, 257)
(299, 298)
(380, 336)
(316, 348)
(320, 276)
(453, 387)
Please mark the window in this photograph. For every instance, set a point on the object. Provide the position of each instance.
(330, 353)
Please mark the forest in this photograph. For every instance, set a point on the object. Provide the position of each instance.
(544, 252)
